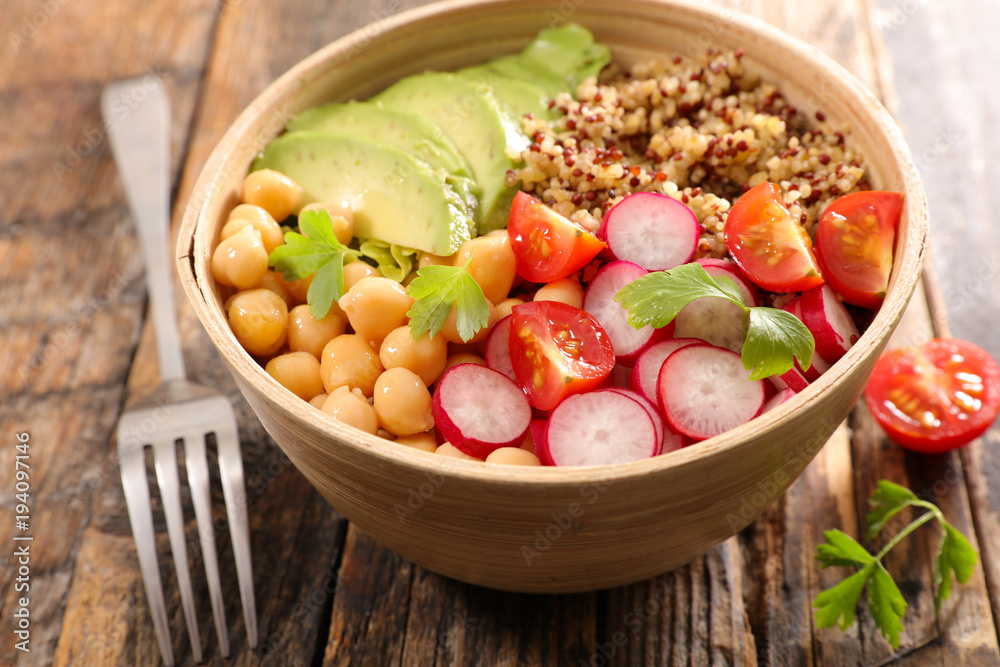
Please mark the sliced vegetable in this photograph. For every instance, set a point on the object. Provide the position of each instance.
(479, 410)
(831, 325)
(557, 350)
(600, 428)
(854, 243)
(935, 397)
(498, 349)
(646, 372)
(599, 300)
(655, 231)
(771, 248)
(547, 245)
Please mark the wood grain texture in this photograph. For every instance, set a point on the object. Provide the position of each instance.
(71, 326)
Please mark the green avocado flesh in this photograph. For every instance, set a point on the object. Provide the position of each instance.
(472, 118)
(395, 197)
(516, 96)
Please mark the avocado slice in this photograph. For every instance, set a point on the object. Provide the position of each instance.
(568, 51)
(396, 198)
(516, 96)
(408, 131)
(471, 117)
(516, 67)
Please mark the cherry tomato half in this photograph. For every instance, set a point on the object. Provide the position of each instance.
(772, 249)
(935, 397)
(854, 242)
(547, 245)
(557, 350)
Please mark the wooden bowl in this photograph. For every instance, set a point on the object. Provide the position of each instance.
(550, 530)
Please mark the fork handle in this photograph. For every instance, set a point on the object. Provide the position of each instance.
(137, 116)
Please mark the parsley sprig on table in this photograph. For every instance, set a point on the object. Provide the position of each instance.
(436, 289)
(836, 605)
(314, 250)
(773, 338)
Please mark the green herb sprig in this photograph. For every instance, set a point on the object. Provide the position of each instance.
(836, 605)
(314, 250)
(438, 288)
(772, 339)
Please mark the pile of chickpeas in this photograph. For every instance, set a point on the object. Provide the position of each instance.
(359, 364)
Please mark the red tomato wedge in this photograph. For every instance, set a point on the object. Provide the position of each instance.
(935, 397)
(547, 245)
(557, 350)
(769, 246)
(854, 243)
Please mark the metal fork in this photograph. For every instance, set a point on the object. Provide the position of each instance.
(137, 117)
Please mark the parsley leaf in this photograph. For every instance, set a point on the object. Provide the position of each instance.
(885, 602)
(315, 250)
(772, 339)
(438, 288)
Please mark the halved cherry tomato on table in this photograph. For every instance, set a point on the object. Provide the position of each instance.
(771, 248)
(557, 350)
(547, 245)
(854, 242)
(935, 397)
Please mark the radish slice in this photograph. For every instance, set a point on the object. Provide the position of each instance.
(655, 231)
(599, 302)
(794, 379)
(599, 428)
(479, 409)
(777, 400)
(672, 440)
(818, 366)
(704, 391)
(647, 367)
(722, 267)
(498, 349)
(653, 414)
(714, 320)
(537, 428)
(830, 323)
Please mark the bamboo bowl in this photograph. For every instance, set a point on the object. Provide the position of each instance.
(552, 530)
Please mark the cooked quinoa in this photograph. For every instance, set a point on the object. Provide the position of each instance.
(702, 130)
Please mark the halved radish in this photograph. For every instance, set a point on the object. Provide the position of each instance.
(647, 367)
(653, 414)
(537, 429)
(793, 379)
(655, 231)
(830, 323)
(818, 366)
(776, 400)
(599, 301)
(478, 409)
(498, 350)
(704, 391)
(599, 428)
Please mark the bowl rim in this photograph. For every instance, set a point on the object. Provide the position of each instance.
(906, 272)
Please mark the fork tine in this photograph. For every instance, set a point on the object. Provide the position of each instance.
(197, 470)
(234, 491)
(170, 491)
(132, 462)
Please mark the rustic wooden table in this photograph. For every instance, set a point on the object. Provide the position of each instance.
(77, 344)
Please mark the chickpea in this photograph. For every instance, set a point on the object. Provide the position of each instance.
(450, 450)
(297, 372)
(240, 260)
(566, 290)
(513, 456)
(425, 357)
(272, 191)
(491, 262)
(462, 358)
(402, 402)
(272, 281)
(259, 319)
(422, 441)
(350, 407)
(318, 400)
(355, 271)
(506, 307)
(298, 289)
(246, 215)
(375, 306)
(349, 361)
(309, 335)
(450, 328)
(341, 217)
